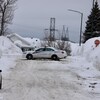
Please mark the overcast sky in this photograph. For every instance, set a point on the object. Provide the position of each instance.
(33, 16)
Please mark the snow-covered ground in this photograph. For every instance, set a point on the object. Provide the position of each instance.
(75, 78)
(51, 80)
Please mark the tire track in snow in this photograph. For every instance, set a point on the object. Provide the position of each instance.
(42, 80)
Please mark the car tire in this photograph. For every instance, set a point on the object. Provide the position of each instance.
(54, 57)
(29, 56)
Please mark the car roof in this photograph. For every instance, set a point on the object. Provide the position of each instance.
(45, 47)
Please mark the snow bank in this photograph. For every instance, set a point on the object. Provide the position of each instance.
(91, 52)
(76, 49)
(88, 50)
(7, 47)
(8, 52)
(35, 42)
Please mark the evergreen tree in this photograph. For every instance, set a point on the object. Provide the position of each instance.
(93, 23)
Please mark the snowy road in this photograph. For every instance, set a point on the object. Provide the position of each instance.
(44, 80)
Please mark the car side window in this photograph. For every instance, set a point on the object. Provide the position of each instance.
(49, 49)
(44, 49)
(39, 50)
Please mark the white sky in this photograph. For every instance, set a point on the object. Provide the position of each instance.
(33, 16)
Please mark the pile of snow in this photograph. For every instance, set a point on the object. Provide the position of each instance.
(18, 43)
(8, 54)
(92, 53)
(35, 42)
(88, 50)
(18, 40)
(24, 42)
(7, 47)
(76, 49)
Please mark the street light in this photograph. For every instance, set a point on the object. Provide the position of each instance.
(80, 24)
(93, 3)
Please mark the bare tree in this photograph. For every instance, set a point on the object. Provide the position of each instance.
(64, 45)
(47, 39)
(59, 44)
(7, 8)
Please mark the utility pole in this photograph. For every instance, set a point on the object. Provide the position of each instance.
(80, 24)
(63, 33)
(52, 29)
(93, 3)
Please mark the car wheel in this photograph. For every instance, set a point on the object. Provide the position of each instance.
(29, 56)
(54, 57)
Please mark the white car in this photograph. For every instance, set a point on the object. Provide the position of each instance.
(46, 52)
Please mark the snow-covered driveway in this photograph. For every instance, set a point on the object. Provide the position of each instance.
(46, 80)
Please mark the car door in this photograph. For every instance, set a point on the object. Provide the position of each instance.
(38, 53)
(43, 53)
(48, 52)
